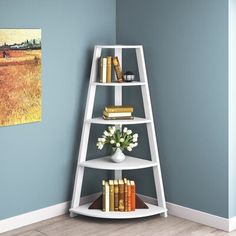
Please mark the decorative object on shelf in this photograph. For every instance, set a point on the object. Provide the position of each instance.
(118, 112)
(20, 76)
(129, 76)
(118, 71)
(119, 140)
(118, 156)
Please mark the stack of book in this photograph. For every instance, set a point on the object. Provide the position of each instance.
(118, 195)
(106, 69)
(118, 112)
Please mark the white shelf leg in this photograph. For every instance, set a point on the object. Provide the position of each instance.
(85, 131)
(151, 129)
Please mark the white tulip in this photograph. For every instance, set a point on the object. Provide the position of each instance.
(118, 144)
(135, 136)
(112, 141)
(129, 148)
(134, 140)
(131, 145)
(135, 144)
(129, 131)
(122, 140)
(125, 130)
(112, 131)
(106, 133)
(103, 140)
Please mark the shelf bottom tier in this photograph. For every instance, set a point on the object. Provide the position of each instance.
(138, 213)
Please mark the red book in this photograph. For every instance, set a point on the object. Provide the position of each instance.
(128, 196)
(133, 193)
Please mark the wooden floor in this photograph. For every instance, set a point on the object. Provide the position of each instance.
(81, 226)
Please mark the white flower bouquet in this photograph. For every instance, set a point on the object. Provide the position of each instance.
(118, 138)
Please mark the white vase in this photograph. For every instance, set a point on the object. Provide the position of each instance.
(118, 156)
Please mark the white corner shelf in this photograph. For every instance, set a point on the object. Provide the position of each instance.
(114, 84)
(130, 163)
(136, 120)
(138, 213)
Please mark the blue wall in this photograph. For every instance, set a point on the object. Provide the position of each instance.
(37, 160)
(185, 44)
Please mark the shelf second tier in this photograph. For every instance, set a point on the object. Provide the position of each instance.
(105, 163)
(136, 120)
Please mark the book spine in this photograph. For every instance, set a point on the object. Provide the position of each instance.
(126, 194)
(103, 195)
(116, 197)
(129, 196)
(107, 202)
(133, 196)
(103, 69)
(117, 114)
(118, 70)
(113, 110)
(108, 79)
(118, 118)
(111, 189)
(121, 195)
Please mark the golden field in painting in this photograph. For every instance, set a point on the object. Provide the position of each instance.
(20, 87)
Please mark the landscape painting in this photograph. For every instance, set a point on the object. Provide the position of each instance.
(20, 76)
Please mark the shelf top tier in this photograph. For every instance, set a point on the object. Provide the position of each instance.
(119, 46)
(136, 83)
(136, 120)
(130, 163)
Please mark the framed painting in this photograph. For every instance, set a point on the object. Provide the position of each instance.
(20, 76)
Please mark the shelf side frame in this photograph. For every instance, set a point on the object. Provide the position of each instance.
(151, 129)
(85, 131)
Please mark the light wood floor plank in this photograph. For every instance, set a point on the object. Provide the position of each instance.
(85, 226)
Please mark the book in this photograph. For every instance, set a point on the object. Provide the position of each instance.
(116, 114)
(118, 71)
(107, 201)
(116, 197)
(118, 118)
(128, 196)
(111, 190)
(103, 69)
(133, 193)
(103, 194)
(121, 195)
(108, 79)
(111, 109)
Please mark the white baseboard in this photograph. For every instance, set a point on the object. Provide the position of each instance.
(62, 208)
(33, 217)
(196, 216)
(40, 215)
(232, 224)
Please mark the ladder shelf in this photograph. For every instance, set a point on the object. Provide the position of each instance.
(130, 163)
